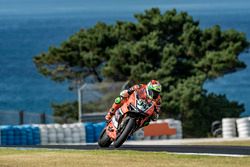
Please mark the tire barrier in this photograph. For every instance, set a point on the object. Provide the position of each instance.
(51, 134)
(139, 135)
(20, 135)
(229, 127)
(62, 134)
(98, 129)
(161, 129)
(90, 132)
(44, 134)
(178, 126)
(93, 131)
(77, 133)
(243, 127)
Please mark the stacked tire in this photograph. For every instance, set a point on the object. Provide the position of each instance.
(51, 134)
(67, 133)
(76, 137)
(243, 127)
(90, 132)
(229, 127)
(36, 135)
(178, 126)
(139, 134)
(98, 129)
(62, 134)
(29, 133)
(17, 135)
(59, 133)
(20, 135)
(44, 134)
(82, 132)
(4, 135)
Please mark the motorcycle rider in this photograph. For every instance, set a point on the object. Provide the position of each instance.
(151, 91)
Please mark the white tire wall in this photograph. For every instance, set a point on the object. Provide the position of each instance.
(171, 124)
(67, 133)
(243, 127)
(44, 134)
(147, 138)
(82, 132)
(51, 133)
(62, 134)
(139, 134)
(76, 138)
(229, 127)
(178, 126)
(59, 133)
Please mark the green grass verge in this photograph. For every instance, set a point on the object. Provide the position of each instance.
(109, 158)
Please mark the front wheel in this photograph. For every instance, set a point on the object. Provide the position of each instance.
(125, 133)
(104, 140)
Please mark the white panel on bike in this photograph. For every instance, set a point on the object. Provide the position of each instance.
(115, 123)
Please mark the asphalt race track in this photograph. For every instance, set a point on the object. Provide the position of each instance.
(227, 150)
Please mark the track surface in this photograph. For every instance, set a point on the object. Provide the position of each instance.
(239, 150)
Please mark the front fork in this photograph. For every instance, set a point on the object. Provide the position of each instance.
(120, 118)
(115, 125)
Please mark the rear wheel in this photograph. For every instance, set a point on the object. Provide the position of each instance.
(104, 140)
(125, 131)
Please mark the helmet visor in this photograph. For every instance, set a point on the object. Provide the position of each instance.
(153, 94)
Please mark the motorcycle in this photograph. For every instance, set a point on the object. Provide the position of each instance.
(130, 117)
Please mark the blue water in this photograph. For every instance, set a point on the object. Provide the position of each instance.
(29, 27)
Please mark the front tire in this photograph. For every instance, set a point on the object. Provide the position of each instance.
(125, 133)
(104, 140)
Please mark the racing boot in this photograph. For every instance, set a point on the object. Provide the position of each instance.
(110, 114)
(112, 110)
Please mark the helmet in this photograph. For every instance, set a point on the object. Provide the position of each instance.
(153, 89)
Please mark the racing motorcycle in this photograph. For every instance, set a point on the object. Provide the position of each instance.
(130, 117)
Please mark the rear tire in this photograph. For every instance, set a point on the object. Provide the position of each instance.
(125, 133)
(104, 140)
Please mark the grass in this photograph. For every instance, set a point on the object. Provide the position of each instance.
(108, 158)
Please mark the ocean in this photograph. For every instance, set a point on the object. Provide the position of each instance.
(30, 27)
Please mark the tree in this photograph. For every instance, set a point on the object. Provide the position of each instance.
(166, 46)
(66, 112)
